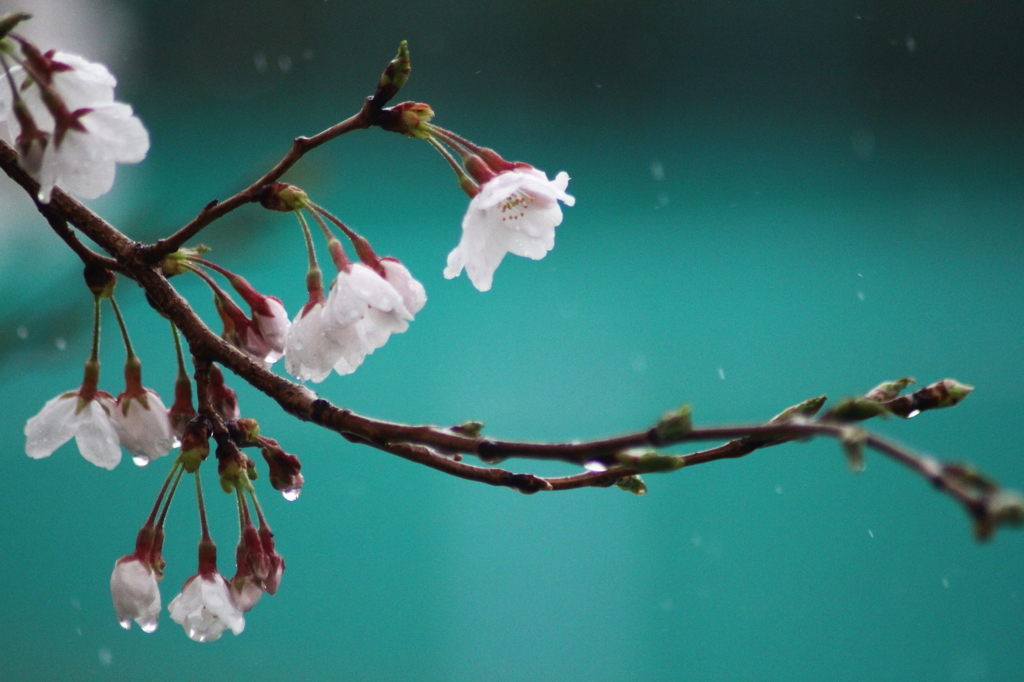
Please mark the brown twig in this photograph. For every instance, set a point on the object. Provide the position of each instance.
(215, 210)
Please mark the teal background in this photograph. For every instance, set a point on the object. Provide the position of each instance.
(841, 202)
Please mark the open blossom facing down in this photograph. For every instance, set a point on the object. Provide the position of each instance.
(143, 425)
(272, 323)
(104, 132)
(362, 310)
(379, 324)
(88, 421)
(205, 608)
(516, 212)
(133, 586)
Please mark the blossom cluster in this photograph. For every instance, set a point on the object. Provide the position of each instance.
(58, 110)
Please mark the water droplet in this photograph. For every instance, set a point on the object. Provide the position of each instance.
(60, 342)
(860, 295)
(945, 583)
(106, 658)
(870, 533)
(126, 623)
(22, 333)
(721, 374)
(259, 60)
(657, 171)
(140, 460)
(595, 466)
(291, 494)
(149, 627)
(913, 413)
(284, 62)
(176, 443)
(778, 490)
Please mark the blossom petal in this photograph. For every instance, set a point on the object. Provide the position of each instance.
(52, 427)
(95, 435)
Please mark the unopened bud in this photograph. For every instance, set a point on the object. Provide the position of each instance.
(888, 390)
(224, 399)
(469, 429)
(408, 118)
(100, 281)
(284, 468)
(195, 444)
(395, 75)
(632, 484)
(231, 465)
(674, 425)
(279, 196)
(9, 21)
(950, 392)
(649, 462)
(244, 431)
(807, 408)
(857, 409)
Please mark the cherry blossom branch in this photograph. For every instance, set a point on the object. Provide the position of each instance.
(8, 159)
(215, 210)
(436, 447)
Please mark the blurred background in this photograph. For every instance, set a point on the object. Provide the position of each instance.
(774, 200)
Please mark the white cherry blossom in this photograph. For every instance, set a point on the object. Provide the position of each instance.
(311, 353)
(87, 421)
(205, 608)
(272, 324)
(143, 426)
(363, 306)
(133, 586)
(379, 324)
(515, 212)
(82, 162)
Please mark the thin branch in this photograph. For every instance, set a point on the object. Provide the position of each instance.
(215, 210)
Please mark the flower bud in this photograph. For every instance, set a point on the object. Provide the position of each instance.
(807, 408)
(674, 425)
(632, 484)
(278, 196)
(9, 21)
(100, 281)
(244, 431)
(395, 75)
(284, 468)
(469, 429)
(231, 465)
(888, 390)
(224, 399)
(648, 462)
(408, 118)
(857, 409)
(195, 444)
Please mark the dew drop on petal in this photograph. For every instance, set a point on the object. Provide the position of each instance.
(913, 413)
(291, 494)
(140, 460)
(126, 623)
(176, 443)
(149, 627)
(595, 466)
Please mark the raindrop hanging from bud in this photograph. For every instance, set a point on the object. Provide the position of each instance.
(291, 494)
(140, 460)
